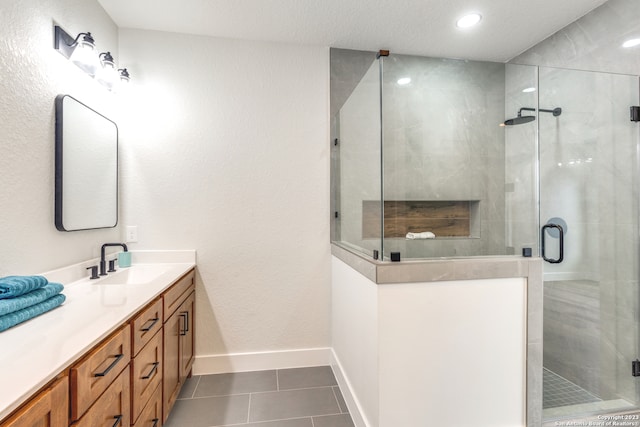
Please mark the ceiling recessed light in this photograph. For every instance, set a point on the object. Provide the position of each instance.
(469, 20)
(529, 89)
(404, 81)
(631, 43)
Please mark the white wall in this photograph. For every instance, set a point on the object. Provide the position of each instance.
(226, 150)
(32, 73)
(354, 333)
(453, 353)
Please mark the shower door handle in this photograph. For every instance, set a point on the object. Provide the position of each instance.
(542, 243)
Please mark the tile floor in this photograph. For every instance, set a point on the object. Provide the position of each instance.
(559, 391)
(300, 397)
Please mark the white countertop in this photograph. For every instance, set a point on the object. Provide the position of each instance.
(34, 352)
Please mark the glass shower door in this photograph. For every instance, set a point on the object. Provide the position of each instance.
(589, 239)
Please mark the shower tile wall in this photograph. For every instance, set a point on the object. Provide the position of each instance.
(586, 44)
(442, 142)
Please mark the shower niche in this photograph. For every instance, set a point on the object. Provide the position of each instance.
(442, 218)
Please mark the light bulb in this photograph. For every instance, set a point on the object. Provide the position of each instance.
(107, 74)
(84, 55)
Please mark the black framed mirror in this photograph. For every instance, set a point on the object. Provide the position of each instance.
(86, 172)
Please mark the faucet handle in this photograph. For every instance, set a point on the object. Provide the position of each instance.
(112, 265)
(94, 272)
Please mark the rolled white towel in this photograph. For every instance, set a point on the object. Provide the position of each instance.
(422, 235)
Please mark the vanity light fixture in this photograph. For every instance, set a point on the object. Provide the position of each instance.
(404, 81)
(107, 75)
(469, 20)
(529, 89)
(631, 43)
(124, 75)
(82, 52)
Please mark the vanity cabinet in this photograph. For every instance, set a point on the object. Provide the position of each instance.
(130, 378)
(47, 408)
(178, 339)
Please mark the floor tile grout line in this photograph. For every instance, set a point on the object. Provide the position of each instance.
(193, 393)
(292, 389)
(249, 409)
(264, 391)
(221, 395)
(335, 396)
(304, 417)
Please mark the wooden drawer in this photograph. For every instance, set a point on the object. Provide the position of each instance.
(152, 413)
(146, 375)
(48, 408)
(112, 408)
(96, 371)
(146, 325)
(177, 293)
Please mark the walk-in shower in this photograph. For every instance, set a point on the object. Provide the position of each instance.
(428, 157)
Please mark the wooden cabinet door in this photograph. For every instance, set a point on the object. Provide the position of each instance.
(50, 408)
(171, 372)
(187, 350)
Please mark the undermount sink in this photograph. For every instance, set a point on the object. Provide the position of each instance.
(134, 275)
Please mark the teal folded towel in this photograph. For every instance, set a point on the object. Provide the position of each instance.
(10, 305)
(12, 319)
(13, 286)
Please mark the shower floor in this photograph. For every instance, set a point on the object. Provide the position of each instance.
(559, 391)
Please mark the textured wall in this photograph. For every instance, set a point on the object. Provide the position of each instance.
(32, 73)
(226, 151)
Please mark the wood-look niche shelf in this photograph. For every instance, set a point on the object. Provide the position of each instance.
(444, 218)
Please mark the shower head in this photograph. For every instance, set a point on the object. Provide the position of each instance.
(526, 119)
(519, 120)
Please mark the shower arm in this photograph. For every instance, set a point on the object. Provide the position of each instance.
(556, 111)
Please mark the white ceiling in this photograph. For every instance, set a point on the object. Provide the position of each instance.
(419, 27)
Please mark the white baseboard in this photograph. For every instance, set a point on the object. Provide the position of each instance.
(357, 415)
(261, 361)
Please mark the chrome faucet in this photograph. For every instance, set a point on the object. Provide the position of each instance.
(103, 261)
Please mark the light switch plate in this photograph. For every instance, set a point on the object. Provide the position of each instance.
(132, 234)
